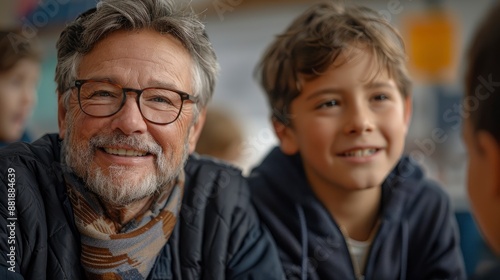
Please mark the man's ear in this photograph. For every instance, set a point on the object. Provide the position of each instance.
(287, 138)
(195, 130)
(490, 150)
(61, 115)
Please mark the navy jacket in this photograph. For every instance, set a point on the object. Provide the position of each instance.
(24, 138)
(218, 235)
(417, 238)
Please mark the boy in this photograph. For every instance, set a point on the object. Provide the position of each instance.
(482, 132)
(340, 95)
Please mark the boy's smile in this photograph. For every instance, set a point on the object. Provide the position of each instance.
(349, 124)
(360, 154)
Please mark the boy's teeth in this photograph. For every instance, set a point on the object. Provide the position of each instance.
(123, 152)
(360, 153)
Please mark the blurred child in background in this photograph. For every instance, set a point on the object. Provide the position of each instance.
(19, 75)
(221, 136)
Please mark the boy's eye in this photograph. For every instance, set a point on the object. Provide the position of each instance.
(330, 103)
(380, 97)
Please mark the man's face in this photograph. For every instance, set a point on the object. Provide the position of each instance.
(124, 157)
(348, 124)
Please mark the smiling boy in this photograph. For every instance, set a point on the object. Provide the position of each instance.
(338, 197)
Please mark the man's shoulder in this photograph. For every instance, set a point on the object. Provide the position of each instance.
(213, 187)
(45, 150)
(207, 171)
(206, 176)
(200, 163)
(29, 169)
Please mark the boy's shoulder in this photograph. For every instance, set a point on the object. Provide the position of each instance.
(417, 193)
(410, 176)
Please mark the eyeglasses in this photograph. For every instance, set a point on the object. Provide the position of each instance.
(157, 105)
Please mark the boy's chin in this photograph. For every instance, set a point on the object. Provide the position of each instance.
(360, 183)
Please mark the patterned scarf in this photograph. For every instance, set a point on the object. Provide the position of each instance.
(131, 252)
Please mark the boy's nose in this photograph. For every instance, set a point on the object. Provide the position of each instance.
(129, 119)
(358, 122)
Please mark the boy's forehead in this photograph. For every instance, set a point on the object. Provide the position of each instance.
(360, 62)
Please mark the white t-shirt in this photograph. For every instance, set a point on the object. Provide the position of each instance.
(359, 252)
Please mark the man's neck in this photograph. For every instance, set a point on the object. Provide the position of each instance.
(355, 211)
(121, 215)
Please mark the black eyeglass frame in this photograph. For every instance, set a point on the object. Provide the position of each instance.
(184, 96)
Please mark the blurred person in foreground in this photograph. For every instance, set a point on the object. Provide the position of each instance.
(337, 195)
(116, 194)
(481, 132)
(19, 75)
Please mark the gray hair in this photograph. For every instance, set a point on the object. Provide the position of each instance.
(80, 36)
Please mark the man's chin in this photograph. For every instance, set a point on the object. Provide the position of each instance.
(123, 189)
(118, 198)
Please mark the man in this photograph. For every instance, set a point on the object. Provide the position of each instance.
(111, 196)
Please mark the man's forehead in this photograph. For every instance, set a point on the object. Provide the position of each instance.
(153, 58)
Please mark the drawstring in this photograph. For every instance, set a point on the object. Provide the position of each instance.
(404, 249)
(304, 238)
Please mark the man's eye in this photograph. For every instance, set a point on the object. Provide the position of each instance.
(160, 99)
(102, 93)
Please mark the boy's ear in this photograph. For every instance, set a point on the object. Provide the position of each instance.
(408, 110)
(287, 138)
(490, 149)
(61, 115)
(195, 130)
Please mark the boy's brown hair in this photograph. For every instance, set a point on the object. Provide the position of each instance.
(314, 40)
(482, 81)
(14, 47)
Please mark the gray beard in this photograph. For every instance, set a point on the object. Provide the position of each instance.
(117, 186)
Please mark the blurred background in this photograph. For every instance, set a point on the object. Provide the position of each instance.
(437, 33)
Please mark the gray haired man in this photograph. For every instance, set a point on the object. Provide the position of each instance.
(116, 195)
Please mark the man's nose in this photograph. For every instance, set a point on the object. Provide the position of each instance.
(129, 119)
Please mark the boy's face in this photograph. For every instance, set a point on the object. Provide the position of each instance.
(483, 180)
(348, 124)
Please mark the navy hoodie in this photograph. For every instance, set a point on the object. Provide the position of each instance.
(417, 237)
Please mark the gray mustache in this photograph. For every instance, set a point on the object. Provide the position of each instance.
(142, 143)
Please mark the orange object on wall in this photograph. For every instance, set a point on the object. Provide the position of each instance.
(432, 44)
